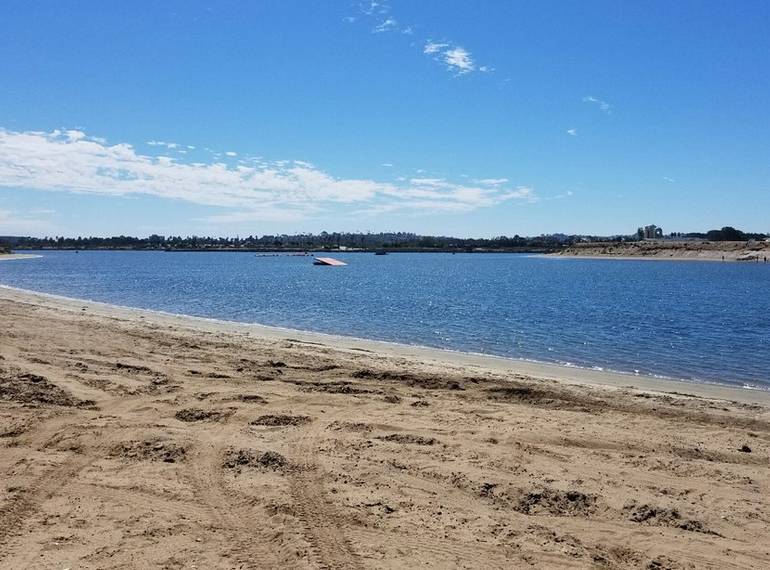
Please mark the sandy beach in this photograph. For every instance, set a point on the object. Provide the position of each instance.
(12, 256)
(134, 439)
(727, 251)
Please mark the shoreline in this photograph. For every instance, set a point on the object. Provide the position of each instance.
(639, 258)
(434, 356)
(140, 439)
(14, 256)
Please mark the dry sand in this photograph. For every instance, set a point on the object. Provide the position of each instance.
(130, 439)
(11, 256)
(693, 250)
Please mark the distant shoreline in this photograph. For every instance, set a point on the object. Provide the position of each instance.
(728, 251)
(12, 256)
(605, 257)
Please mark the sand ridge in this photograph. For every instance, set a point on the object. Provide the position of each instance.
(138, 443)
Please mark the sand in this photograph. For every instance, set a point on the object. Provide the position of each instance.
(132, 439)
(685, 250)
(12, 256)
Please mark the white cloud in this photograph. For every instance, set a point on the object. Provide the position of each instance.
(522, 193)
(388, 25)
(492, 181)
(386, 164)
(458, 59)
(251, 189)
(572, 132)
(603, 105)
(374, 7)
(433, 47)
(669, 179)
(169, 145)
(231, 153)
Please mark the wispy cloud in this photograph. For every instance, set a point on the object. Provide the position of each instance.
(249, 188)
(572, 132)
(387, 25)
(456, 58)
(434, 47)
(453, 56)
(669, 179)
(16, 222)
(152, 143)
(603, 105)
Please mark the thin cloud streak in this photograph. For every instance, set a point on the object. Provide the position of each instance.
(603, 105)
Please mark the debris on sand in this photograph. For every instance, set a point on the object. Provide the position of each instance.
(662, 563)
(409, 438)
(27, 388)
(132, 368)
(663, 516)
(250, 398)
(153, 449)
(349, 426)
(239, 458)
(336, 387)
(542, 397)
(426, 381)
(274, 420)
(745, 449)
(556, 502)
(199, 415)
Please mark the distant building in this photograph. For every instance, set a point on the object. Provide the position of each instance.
(650, 232)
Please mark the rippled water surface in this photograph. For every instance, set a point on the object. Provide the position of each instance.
(694, 320)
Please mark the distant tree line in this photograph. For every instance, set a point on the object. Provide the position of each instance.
(309, 241)
(392, 241)
(727, 233)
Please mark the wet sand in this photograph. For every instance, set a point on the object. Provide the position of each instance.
(134, 439)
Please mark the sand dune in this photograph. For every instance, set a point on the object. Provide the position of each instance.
(136, 443)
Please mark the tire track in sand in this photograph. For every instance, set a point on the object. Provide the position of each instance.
(244, 525)
(19, 508)
(320, 520)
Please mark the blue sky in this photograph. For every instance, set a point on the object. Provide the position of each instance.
(462, 118)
